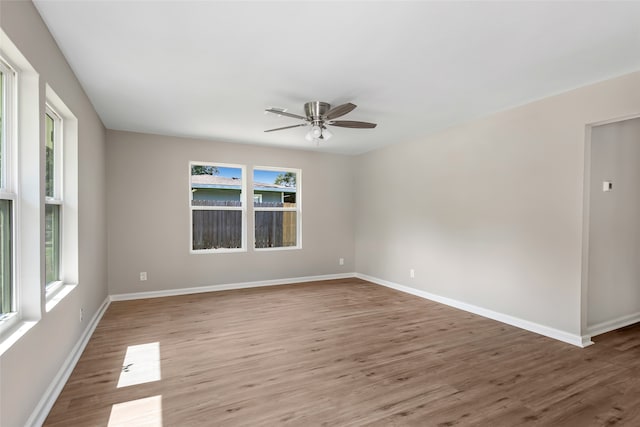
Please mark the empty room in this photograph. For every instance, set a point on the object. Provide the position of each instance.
(340, 213)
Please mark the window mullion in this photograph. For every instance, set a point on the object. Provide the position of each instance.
(217, 208)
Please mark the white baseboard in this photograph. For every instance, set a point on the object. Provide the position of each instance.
(586, 341)
(611, 325)
(557, 334)
(49, 397)
(228, 286)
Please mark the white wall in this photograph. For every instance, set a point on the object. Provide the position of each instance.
(614, 226)
(490, 213)
(148, 214)
(30, 365)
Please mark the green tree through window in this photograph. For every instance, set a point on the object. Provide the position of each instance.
(288, 179)
(50, 155)
(204, 170)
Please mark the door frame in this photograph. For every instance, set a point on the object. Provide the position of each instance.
(586, 199)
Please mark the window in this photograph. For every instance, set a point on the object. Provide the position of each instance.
(8, 294)
(277, 208)
(53, 196)
(218, 207)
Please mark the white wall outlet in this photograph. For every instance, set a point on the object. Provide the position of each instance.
(143, 276)
(412, 273)
(81, 315)
(341, 261)
(607, 186)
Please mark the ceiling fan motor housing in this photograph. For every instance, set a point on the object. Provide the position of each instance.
(315, 110)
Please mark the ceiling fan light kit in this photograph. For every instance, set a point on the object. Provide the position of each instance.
(316, 134)
(318, 115)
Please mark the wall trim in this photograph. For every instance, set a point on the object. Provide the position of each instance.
(547, 331)
(52, 392)
(586, 341)
(227, 287)
(611, 325)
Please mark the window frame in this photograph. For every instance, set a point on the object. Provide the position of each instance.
(57, 198)
(242, 209)
(57, 154)
(297, 208)
(8, 182)
(65, 197)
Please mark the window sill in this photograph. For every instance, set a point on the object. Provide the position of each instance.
(216, 251)
(56, 293)
(9, 337)
(280, 248)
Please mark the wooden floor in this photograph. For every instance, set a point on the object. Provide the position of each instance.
(343, 353)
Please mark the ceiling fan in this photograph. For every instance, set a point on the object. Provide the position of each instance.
(318, 116)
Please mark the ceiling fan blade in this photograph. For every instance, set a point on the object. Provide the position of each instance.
(352, 124)
(286, 127)
(340, 110)
(283, 113)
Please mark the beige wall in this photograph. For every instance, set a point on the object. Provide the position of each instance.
(614, 225)
(148, 193)
(30, 365)
(490, 213)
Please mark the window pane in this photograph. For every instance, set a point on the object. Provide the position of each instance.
(216, 186)
(276, 229)
(214, 229)
(6, 285)
(50, 160)
(52, 243)
(274, 189)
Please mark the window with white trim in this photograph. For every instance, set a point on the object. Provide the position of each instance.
(277, 208)
(217, 193)
(53, 196)
(7, 192)
(8, 291)
(60, 183)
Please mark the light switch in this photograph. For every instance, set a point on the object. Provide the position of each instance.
(607, 186)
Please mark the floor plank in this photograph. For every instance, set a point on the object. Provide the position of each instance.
(343, 353)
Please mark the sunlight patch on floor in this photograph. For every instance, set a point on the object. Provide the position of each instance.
(141, 365)
(145, 412)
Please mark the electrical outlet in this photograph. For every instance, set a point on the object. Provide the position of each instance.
(341, 261)
(412, 273)
(81, 315)
(143, 276)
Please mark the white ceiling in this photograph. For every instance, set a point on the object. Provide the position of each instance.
(208, 69)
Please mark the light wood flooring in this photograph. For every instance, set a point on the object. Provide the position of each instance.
(343, 353)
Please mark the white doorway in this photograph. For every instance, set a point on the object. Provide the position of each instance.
(613, 272)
